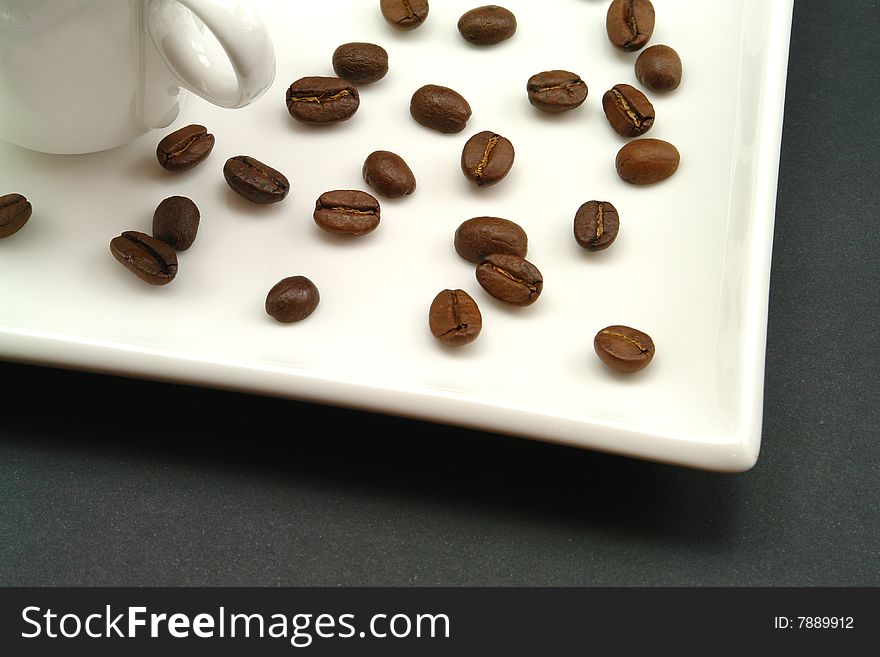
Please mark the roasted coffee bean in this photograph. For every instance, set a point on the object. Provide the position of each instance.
(596, 225)
(360, 63)
(556, 91)
(659, 68)
(254, 180)
(15, 210)
(486, 26)
(319, 99)
(292, 299)
(388, 174)
(510, 278)
(480, 237)
(350, 212)
(176, 222)
(454, 318)
(630, 23)
(486, 158)
(185, 148)
(440, 108)
(646, 161)
(148, 258)
(628, 110)
(623, 348)
(405, 14)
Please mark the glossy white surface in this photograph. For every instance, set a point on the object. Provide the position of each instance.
(690, 267)
(80, 76)
(218, 49)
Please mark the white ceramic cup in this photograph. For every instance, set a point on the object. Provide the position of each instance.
(78, 76)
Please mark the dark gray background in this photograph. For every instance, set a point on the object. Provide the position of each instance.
(225, 488)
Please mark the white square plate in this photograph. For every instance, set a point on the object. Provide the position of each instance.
(691, 266)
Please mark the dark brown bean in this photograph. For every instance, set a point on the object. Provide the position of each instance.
(510, 278)
(350, 212)
(487, 26)
(254, 180)
(318, 99)
(15, 210)
(454, 318)
(480, 237)
(292, 299)
(389, 174)
(176, 222)
(185, 148)
(659, 68)
(628, 110)
(623, 348)
(360, 63)
(440, 108)
(556, 91)
(630, 23)
(596, 225)
(486, 158)
(405, 14)
(646, 161)
(148, 258)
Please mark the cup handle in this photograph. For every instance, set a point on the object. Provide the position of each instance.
(233, 68)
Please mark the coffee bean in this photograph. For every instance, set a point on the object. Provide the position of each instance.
(292, 299)
(319, 99)
(388, 174)
(148, 258)
(350, 212)
(454, 318)
(647, 161)
(405, 14)
(176, 222)
(630, 23)
(486, 158)
(440, 108)
(556, 91)
(623, 348)
(510, 278)
(487, 26)
(596, 225)
(480, 237)
(185, 148)
(254, 180)
(15, 210)
(360, 63)
(659, 68)
(628, 110)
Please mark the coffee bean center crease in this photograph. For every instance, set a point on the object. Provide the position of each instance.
(279, 184)
(163, 264)
(182, 147)
(568, 86)
(639, 346)
(625, 106)
(323, 98)
(503, 272)
(456, 316)
(631, 19)
(478, 172)
(340, 208)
